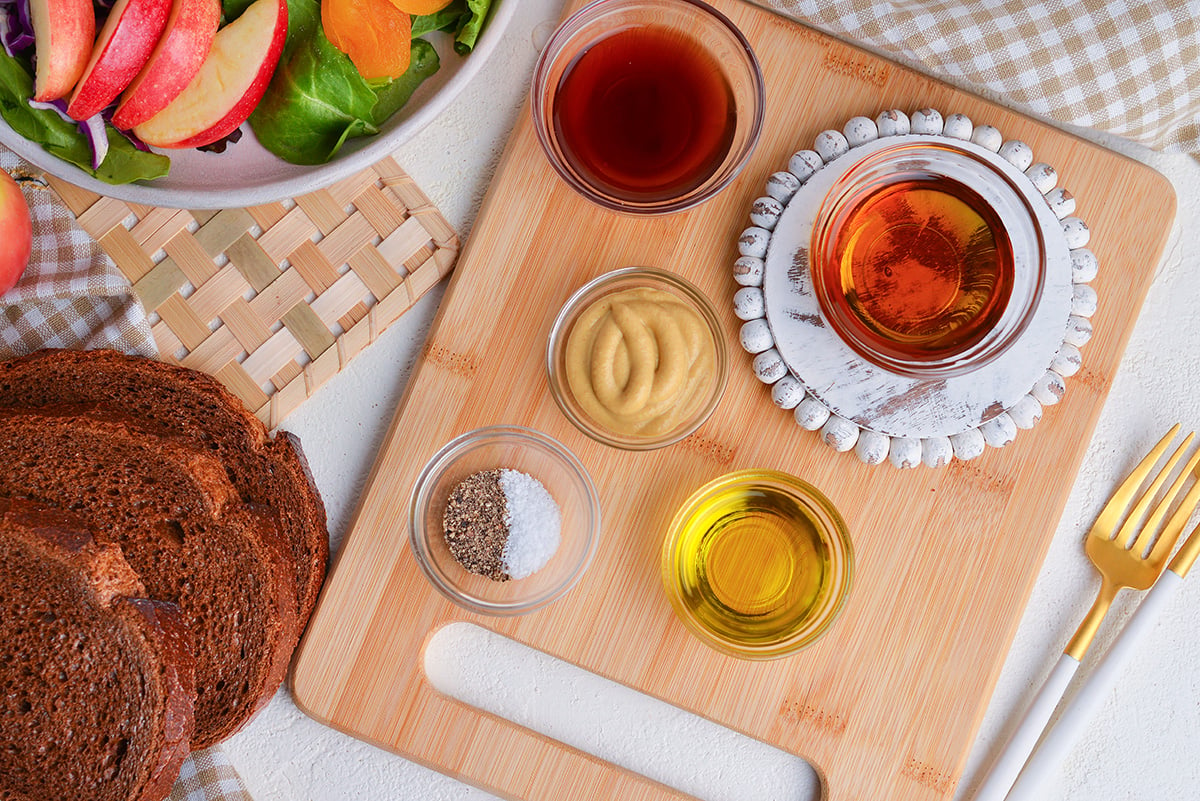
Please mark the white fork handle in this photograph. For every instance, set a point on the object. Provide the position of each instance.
(1006, 767)
(1094, 691)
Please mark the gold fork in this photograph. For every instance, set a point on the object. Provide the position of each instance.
(1130, 550)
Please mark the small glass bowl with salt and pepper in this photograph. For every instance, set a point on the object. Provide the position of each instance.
(503, 520)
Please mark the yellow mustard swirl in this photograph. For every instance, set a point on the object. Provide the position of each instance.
(639, 361)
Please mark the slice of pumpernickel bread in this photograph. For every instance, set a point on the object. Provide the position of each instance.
(97, 681)
(195, 407)
(187, 534)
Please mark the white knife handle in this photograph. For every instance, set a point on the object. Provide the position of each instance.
(1094, 691)
(1006, 767)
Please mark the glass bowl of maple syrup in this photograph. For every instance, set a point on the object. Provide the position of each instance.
(647, 106)
(926, 259)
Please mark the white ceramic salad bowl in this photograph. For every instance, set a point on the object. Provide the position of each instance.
(246, 174)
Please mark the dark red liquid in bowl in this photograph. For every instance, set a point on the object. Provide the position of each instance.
(645, 114)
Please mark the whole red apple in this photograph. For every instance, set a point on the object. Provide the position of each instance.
(16, 232)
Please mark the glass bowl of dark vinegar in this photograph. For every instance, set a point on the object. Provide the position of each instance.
(647, 106)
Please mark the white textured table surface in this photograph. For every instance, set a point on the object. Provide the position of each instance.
(1144, 745)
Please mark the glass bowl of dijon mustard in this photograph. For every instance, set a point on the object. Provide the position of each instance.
(637, 358)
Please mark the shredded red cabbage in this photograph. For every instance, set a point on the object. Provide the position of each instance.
(16, 32)
(24, 19)
(59, 105)
(93, 128)
(130, 135)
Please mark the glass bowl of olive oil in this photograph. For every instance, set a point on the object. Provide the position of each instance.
(757, 563)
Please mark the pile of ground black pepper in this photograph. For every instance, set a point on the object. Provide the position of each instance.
(475, 527)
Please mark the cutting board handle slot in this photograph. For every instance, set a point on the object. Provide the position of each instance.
(582, 710)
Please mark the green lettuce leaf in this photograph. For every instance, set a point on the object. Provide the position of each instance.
(393, 95)
(447, 19)
(232, 9)
(124, 162)
(468, 34)
(463, 18)
(317, 99)
(304, 22)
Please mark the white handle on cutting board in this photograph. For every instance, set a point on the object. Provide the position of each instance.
(1095, 690)
(1008, 765)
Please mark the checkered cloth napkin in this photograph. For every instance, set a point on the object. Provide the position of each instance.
(208, 776)
(72, 296)
(1128, 67)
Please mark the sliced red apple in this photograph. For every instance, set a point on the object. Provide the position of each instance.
(122, 48)
(63, 31)
(181, 50)
(229, 84)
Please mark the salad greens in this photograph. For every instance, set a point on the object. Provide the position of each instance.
(232, 9)
(463, 18)
(316, 100)
(124, 162)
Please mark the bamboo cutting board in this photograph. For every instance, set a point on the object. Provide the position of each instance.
(886, 705)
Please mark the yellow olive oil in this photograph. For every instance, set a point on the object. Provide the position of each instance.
(752, 564)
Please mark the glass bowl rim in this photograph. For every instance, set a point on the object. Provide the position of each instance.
(446, 456)
(893, 158)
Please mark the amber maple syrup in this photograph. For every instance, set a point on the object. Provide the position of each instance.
(920, 266)
(645, 114)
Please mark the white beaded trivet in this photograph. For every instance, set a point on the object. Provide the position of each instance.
(857, 405)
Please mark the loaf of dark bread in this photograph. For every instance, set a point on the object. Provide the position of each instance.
(187, 534)
(195, 407)
(97, 681)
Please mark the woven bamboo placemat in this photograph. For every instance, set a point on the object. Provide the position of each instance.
(275, 300)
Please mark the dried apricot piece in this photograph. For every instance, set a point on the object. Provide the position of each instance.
(375, 34)
(420, 6)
